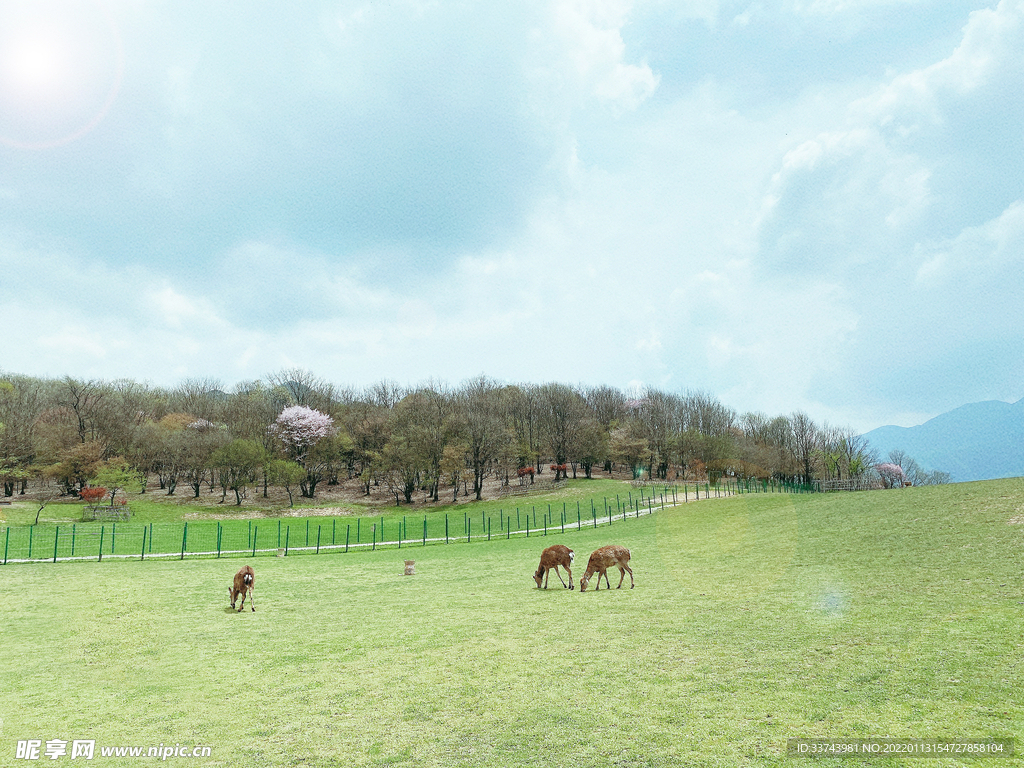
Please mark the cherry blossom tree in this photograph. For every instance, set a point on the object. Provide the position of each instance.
(307, 437)
(892, 474)
(300, 428)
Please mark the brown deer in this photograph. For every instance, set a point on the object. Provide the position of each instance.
(244, 585)
(550, 559)
(604, 558)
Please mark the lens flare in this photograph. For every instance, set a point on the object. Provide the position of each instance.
(36, 66)
(61, 64)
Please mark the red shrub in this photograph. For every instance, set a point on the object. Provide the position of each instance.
(92, 495)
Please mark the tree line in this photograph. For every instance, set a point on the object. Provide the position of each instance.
(295, 430)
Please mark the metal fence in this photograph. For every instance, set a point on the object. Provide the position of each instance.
(272, 536)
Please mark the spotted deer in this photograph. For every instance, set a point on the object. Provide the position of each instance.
(550, 559)
(244, 586)
(601, 560)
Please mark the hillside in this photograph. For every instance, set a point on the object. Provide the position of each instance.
(979, 441)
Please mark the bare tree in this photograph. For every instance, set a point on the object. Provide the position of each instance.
(562, 410)
(805, 442)
(83, 399)
(204, 398)
(385, 393)
(305, 388)
(485, 432)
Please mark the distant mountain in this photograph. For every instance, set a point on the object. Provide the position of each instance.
(979, 441)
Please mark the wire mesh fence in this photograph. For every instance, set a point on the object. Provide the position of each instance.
(284, 537)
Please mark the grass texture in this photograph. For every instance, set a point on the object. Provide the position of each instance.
(755, 619)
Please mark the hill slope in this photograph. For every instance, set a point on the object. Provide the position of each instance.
(979, 441)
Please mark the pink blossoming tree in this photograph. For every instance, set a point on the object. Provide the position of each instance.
(892, 475)
(302, 429)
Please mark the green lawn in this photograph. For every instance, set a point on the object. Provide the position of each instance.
(157, 507)
(754, 619)
(575, 506)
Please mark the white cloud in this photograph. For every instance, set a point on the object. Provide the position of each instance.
(583, 54)
(992, 41)
(978, 255)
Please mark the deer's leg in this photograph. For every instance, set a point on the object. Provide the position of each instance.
(630, 570)
(252, 599)
(622, 576)
(559, 575)
(570, 577)
(241, 606)
(607, 584)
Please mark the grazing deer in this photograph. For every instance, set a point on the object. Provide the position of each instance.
(550, 559)
(244, 583)
(604, 558)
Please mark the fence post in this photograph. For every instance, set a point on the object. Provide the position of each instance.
(318, 539)
(218, 538)
(287, 533)
(7, 541)
(100, 559)
(113, 534)
(488, 528)
(446, 528)
(184, 540)
(348, 530)
(424, 530)
(375, 536)
(151, 538)
(72, 539)
(334, 528)
(56, 533)
(144, 531)
(469, 530)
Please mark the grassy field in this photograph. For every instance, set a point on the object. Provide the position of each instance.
(754, 619)
(579, 504)
(154, 507)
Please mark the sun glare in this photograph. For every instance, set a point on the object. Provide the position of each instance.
(37, 66)
(60, 70)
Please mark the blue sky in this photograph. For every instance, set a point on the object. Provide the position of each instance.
(792, 204)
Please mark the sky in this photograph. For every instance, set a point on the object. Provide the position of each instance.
(811, 205)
